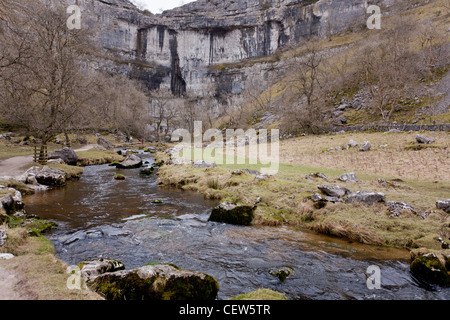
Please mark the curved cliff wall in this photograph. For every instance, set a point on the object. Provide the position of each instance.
(177, 48)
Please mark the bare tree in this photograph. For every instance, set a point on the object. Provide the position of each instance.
(303, 109)
(42, 81)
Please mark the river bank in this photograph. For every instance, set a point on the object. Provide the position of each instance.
(409, 181)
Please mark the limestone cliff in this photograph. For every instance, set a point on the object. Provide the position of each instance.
(179, 48)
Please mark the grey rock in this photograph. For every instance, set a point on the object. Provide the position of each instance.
(365, 146)
(203, 164)
(6, 256)
(155, 282)
(7, 203)
(47, 176)
(66, 154)
(348, 177)
(3, 237)
(424, 139)
(366, 197)
(352, 143)
(105, 143)
(334, 191)
(232, 213)
(93, 268)
(130, 162)
(316, 197)
(443, 205)
(395, 207)
(316, 175)
(333, 199)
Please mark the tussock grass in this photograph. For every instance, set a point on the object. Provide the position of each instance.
(95, 156)
(44, 276)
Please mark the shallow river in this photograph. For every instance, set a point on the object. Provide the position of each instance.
(98, 216)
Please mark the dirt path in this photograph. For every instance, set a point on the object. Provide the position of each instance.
(11, 168)
(12, 287)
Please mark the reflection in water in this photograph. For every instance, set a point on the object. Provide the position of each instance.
(102, 217)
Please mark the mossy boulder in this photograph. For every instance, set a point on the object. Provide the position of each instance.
(119, 176)
(233, 214)
(155, 282)
(431, 267)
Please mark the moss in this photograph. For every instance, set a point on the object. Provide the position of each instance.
(119, 176)
(429, 268)
(261, 294)
(132, 287)
(147, 171)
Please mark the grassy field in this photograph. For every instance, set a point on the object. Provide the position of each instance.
(422, 176)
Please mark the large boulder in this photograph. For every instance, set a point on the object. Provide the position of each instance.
(443, 205)
(105, 143)
(431, 268)
(66, 154)
(47, 176)
(333, 191)
(130, 162)
(366, 197)
(233, 214)
(155, 282)
(11, 201)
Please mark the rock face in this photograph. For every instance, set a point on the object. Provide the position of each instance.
(443, 205)
(233, 214)
(130, 162)
(155, 282)
(184, 49)
(66, 154)
(47, 176)
(366, 197)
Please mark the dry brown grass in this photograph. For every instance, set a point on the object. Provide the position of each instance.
(392, 161)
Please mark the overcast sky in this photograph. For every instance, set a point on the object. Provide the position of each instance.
(157, 6)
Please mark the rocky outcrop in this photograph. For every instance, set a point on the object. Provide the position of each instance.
(395, 208)
(233, 214)
(155, 282)
(66, 154)
(46, 176)
(185, 48)
(366, 197)
(11, 201)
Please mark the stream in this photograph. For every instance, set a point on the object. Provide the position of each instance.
(99, 216)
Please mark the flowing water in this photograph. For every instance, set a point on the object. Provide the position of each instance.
(98, 217)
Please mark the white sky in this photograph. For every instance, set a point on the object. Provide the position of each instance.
(157, 6)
